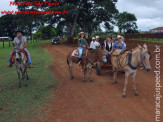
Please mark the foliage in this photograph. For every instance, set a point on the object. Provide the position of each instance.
(45, 32)
(126, 22)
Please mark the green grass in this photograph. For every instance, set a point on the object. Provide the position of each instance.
(22, 104)
(148, 39)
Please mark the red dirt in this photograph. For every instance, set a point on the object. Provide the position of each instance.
(100, 101)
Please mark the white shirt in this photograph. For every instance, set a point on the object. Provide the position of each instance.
(94, 44)
(20, 43)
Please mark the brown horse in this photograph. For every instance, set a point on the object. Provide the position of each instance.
(130, 62)
(88, 59)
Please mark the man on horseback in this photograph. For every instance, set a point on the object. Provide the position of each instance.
(119, 44)
(82, 44)
(21, 43)
(94, 44)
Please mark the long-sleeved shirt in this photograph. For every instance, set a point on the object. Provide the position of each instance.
(82, 42)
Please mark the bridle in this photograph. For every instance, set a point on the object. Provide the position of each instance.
(142, 56)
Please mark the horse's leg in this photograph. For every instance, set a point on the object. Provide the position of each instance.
(134, 84)
(126, 82)
(84, 73)
(26, 77)
(90, 72)
(70, 69)
(19, 78)
(115, 76)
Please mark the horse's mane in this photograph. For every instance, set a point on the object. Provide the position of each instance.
(97, 52)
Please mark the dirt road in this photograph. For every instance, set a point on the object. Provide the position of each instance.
(100, 101)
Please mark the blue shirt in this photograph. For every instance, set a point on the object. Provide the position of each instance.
(117, 46)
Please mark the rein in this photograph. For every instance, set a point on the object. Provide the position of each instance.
(129, 62)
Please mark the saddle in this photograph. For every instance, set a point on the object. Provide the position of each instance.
(75, 53)
(118, 57)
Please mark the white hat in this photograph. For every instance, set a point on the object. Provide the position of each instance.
(93, 38)
(119, 36)
(97, 37)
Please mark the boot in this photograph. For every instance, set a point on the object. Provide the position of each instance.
(79, 61)
(10, 65)
(30, 66)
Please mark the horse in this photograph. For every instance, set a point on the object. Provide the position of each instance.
(21, 65)
(88, 58)
(130, 61)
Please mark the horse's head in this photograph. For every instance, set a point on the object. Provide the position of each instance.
(104, 59)
(98, 55)
(145, 57)
(18, 56)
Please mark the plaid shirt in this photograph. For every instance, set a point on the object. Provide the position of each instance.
(82, 42)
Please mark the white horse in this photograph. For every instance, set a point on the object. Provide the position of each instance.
(21, 66)
(130, 62)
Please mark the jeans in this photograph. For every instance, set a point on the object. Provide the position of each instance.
(80, 52)
(29, 57)
(107, 56)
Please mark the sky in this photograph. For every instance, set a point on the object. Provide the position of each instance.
(149, 13)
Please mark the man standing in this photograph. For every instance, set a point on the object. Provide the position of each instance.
(21, 43)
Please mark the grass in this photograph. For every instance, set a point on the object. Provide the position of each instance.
(22, 104)
(148, 39)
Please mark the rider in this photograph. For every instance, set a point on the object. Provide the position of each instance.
(97, 42)
(108, 47)
(20, 42)
(120, 44)
(94, 44)
(82, 43)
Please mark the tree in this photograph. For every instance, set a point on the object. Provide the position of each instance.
(126, 21)
(8, 25)
(45, 32)
(84, 15)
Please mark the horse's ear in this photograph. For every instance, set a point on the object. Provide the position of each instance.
(145, 46)
(139, 46)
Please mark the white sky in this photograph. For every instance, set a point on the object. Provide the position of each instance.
(148, 12)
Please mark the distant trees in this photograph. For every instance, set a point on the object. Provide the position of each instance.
(126, 22)
(45, 32)
(8, 25)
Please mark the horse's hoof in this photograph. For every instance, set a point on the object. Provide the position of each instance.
(136, 94)
(84, 80)
(123, 96)
(19, 86)
(115, 83)
(27, 78)
(91, 80)
(26, 85)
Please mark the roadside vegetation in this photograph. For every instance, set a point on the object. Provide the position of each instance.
(148, 39)
(22, 104)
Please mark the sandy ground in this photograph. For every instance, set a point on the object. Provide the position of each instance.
(99, 101)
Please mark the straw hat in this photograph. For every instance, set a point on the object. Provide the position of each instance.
(81, 33)
(120, 37)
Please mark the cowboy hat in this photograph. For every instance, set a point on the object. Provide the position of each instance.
(81, 33)
(19, 31)
(120, 37)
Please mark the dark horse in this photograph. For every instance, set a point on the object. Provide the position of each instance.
(21, 65)
(88, 58)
